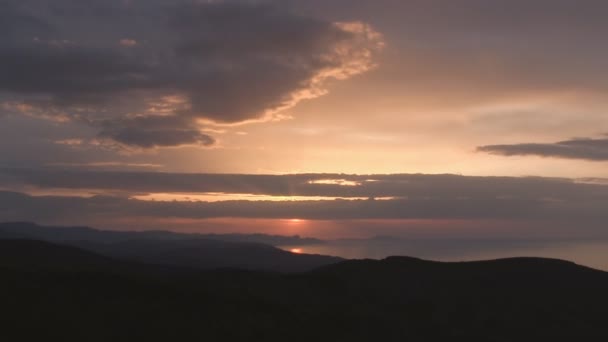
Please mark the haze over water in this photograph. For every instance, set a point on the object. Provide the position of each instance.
(588, 253)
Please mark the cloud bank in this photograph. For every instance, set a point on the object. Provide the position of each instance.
(580, 148)
(153, 73)
(410, 186)
(577, 206)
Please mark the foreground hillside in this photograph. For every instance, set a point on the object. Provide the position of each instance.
(64, 293)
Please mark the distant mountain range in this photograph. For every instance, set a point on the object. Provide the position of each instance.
(175, 249)
(56, 233)
(54, 292)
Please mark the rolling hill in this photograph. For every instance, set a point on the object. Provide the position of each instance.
(91, 298)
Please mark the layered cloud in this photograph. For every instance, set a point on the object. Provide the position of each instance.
(405, 186)
(151, 73)
(305, 196)
(580, 148)
(154, 131)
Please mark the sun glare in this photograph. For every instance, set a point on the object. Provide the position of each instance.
(296, 250)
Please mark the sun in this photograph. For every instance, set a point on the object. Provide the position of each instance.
(296, 250)
(295, 221)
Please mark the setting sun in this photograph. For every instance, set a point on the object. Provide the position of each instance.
(296, 250)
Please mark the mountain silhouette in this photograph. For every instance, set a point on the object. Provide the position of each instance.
(174, 249)
(66, 234)
(60, 292)
(38, 256)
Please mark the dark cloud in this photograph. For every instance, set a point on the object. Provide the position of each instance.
(406, 186)
(583, 216)
(46, 207)
(155, 131)
(72, 75)
(580, 148)
(96, 61)
(577, 208)
(14, 22)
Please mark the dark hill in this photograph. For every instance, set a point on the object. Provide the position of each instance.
(396, 299)
(43, 256)
(207, 254)
(34, 256)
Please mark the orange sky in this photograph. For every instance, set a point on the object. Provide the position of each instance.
(126, 121)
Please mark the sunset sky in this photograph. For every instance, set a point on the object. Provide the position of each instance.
(341, 118)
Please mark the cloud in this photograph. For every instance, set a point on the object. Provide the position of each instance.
(229, 62)
(107, 164)
(58, 206)
(579, 148)
(155, 131)
(404, 186)
(556, 207)
(584, 216)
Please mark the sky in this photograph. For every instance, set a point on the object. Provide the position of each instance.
(342, 118)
